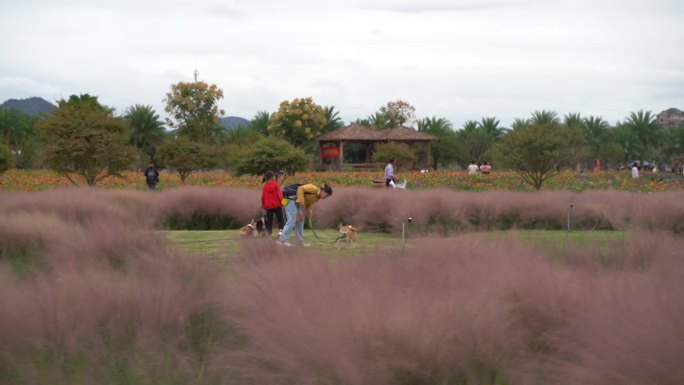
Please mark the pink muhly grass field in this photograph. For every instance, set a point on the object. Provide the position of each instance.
(91, 292)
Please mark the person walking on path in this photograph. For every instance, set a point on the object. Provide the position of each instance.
(299, 207)
(389, 172)
(151, 176)
(271, 201)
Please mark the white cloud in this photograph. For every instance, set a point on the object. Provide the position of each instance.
(459, 59)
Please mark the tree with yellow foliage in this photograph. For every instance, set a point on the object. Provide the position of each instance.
(194, 108)
(298, 121)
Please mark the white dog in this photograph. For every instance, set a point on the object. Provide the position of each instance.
(398, 185)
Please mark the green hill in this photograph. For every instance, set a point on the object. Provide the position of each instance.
(31, 106)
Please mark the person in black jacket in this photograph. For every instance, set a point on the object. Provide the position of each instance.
(151, 176)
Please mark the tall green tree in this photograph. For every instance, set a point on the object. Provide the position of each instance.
(538, 152)
(260, 122)
(5, 157)
(647, 131)
(243, 136)
(520, 124)
(21, 135)
(85, 138)
(544, 117)
(445, 149)
(378, 121)
(600, 141)
(194, 109)
(147, 130)
(399, 112)
(490, 128)
(674, 143)
(573, 120)
(628, 142)
(298, 121)
(474, 141)
(332, 119)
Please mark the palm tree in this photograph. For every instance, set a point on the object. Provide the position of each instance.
(544, 117)
(147, 131)
(434, 124)
(490, 127)
(647, 131)
(260, 121)
(474, 141)
(674, 143)
(378, 121)
(573, 120)
(469, 127)
(626, 138)
(332, 118)
(362, 122)
(596, 136)
(446, 149)
(520, 124)
(243, 135)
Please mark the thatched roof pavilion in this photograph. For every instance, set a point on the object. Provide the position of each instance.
(332, 143)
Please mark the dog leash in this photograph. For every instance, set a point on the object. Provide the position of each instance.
(316, 235)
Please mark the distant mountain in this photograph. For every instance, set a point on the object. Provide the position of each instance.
(231, 122)
(31, 106)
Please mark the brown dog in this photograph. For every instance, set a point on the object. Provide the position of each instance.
(247, 231)
(347, 235)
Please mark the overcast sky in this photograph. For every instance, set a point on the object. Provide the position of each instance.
(456, 59)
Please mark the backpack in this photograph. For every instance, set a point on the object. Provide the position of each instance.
(151, 177)
(291, 190)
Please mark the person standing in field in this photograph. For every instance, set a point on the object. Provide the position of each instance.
(271, 201)
(389, 172)
(635, 171)
(298, 208)
(151, 176)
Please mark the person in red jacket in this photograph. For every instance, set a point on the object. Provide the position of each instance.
(271, 201)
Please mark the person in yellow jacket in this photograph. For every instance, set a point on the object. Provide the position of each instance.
(297, 207)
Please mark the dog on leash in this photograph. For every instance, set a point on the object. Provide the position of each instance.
(247, 231)
(346, 236)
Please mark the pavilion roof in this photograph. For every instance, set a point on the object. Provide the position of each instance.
(350, 132)
(357, 132)
(403, 133)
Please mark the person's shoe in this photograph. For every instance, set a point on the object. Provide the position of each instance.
(304, 244)
(280, 233)
(283, 243)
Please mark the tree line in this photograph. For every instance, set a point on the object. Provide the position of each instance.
(84, 138)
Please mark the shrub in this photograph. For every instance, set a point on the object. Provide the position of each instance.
(5, 157)
(402, 152)
(272, 154)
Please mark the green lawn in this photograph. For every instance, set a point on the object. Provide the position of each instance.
(215, 244)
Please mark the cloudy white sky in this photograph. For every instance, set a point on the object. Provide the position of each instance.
(457, 59)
